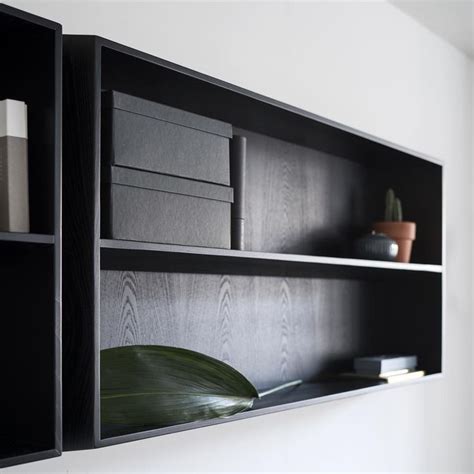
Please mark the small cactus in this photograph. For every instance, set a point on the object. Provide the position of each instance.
(397, 210)
(393, 207)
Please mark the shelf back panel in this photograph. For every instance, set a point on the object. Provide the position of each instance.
(273, 329)
(303, 201)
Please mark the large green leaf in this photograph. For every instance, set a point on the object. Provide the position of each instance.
(160, 386)
(156, 386)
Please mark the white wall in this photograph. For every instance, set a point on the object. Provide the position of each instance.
(369, 66)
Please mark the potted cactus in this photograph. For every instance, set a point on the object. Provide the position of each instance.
(394, 226)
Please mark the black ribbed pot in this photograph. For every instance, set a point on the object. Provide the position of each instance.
(375, 247)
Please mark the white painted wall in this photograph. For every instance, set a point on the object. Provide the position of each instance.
(369, 66)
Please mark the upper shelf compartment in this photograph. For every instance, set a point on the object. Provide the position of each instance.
(312, 186)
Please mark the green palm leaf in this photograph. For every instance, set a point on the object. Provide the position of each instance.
(156, 386)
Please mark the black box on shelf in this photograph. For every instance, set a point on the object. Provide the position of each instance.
(142, 134)
(152, 207)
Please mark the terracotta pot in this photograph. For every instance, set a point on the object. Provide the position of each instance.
(403, 233)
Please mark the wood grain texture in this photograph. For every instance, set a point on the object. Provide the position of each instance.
(303, 201)
(272, 329)
(300, 200)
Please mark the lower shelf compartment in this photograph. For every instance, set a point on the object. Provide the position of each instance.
(273, 329)
(304, 395)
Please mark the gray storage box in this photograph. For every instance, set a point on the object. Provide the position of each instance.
(152, 207)
(141, 134)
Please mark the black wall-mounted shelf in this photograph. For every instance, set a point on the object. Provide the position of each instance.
(294, 305)
(30, 275)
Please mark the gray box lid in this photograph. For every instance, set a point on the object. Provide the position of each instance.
(148, 108)
(169, 184)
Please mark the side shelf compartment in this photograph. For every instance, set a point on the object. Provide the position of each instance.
(30, 272)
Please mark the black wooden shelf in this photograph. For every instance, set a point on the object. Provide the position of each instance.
(288, 307)
(27, 238)
(124, 254)
(30, 274)
(305, 395)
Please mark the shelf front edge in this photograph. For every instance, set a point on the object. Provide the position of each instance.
(263, 411)
(242, 255)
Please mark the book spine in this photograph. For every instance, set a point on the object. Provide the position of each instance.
(14, 198)
(238, 156)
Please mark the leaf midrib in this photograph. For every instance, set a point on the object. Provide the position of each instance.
(197, 394)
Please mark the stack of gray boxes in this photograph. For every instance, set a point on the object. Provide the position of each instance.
(165, 174)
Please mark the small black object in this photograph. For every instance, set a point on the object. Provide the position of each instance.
(375, 246)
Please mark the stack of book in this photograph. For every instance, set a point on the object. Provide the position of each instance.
(386, 368)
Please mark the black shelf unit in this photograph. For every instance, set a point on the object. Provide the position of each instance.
(31, 427)
(291, 306)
